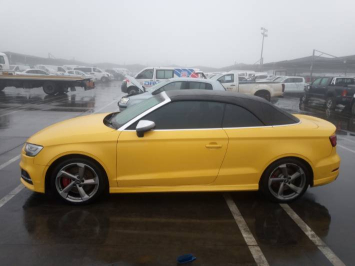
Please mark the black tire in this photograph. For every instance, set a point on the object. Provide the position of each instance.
(304, 99)
(50, 88)
(92, 191)
(132, 90)
(271, 173)
(353, 109)
(104, 79)
(264, 94)
(330, 103)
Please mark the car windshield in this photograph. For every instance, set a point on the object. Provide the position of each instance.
(122, 118)
(157, 86)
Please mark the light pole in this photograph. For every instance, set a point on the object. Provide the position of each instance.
(264, 33)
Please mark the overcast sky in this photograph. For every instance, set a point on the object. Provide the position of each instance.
(190, 33)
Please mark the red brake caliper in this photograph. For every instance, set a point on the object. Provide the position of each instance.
(65, 181)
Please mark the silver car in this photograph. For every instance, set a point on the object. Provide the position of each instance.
(168, 85)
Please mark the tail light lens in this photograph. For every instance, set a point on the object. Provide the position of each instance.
(344, 93)
(127, 80)
(333, 140)
(283, 87)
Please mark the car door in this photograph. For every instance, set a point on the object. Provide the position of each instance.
(186, 147)
(312, 93)
(299, 84)
(290, 85)
(145, 78)
(249, 148)
(228, 82)
(321, 91)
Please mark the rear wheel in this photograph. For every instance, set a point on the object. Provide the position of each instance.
(330, 103)
(50, 88)
(132, 90)
(78, 181)
(285, 180)
(264, 94)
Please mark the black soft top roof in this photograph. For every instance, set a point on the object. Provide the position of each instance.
(265, 111)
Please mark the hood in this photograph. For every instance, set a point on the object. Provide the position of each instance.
(77, 130)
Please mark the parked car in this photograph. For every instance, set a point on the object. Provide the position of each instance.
(79, 74)
(265, 90)
(116, 75)
(331, 91)
(54, 70)
(168, 85)
(33, 72)
(180, 141)
(97, 73)
(152, 75)
(19, 68)
(292, 84)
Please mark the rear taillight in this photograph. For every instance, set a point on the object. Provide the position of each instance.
(344, 93)
(283, 87)
(127, 80)
(333, 140)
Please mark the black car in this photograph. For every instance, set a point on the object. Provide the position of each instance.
(331, 91)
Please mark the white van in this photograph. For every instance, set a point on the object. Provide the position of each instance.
(152, 75)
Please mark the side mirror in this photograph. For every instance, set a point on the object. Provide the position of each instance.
(144, 126)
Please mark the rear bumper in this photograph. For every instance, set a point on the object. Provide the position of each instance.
(326, 170)
(344, 100)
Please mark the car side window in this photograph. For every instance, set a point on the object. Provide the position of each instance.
(186, 115)
(2, 60)
(298, 80)
(288, 80)
(227, 78)
(317, 81)
(199, 86)
(236, 116)
(165, 74)
(325, 81)
(172, 86)
(146, 74)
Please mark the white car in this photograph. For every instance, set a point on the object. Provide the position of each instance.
(33, 72)
(265, 90)
(79, 73)
(292, 84)
(97, 73)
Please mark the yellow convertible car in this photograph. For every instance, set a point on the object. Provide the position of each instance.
(183, 141)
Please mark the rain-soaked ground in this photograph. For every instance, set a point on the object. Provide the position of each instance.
(154, 229)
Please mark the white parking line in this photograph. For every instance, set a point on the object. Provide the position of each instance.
(328, 253)
(12, 194)
(244, 229)
(345, 148)
(347, 140)
(10, 162)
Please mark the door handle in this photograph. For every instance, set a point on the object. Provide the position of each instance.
(233, 85)
(213, 145)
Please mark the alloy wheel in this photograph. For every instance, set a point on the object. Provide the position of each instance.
(77, 182)
(287, 181)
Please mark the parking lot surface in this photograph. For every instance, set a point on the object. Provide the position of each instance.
(236, 228)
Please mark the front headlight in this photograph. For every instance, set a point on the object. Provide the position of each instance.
(124, 100)
(32, 149)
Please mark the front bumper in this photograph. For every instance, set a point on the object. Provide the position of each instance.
(36, 173)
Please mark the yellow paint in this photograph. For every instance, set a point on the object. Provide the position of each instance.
(184, 160)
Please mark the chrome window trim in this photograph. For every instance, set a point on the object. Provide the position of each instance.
(219, 128)
(167, 100)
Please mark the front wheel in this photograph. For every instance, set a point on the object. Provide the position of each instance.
(304, 99)
(285, 180)
(78, 181)
(132, 90)
(104, 79)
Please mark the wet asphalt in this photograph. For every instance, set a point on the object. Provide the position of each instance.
(154, 229)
